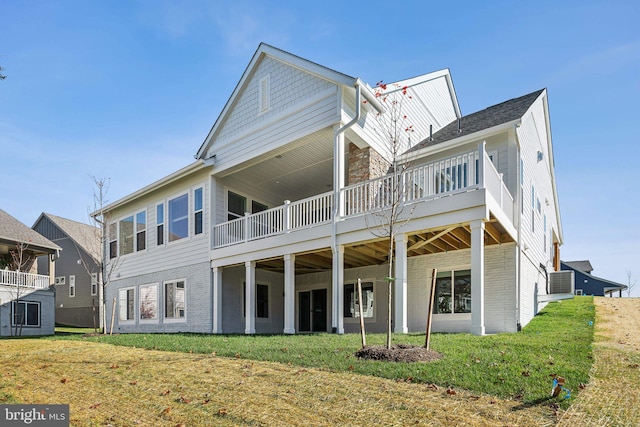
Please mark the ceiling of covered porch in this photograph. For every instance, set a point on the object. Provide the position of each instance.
(295, 171)
(375, 251)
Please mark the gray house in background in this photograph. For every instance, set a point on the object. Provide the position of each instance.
(77, 270)
(27, 299)
(588, 284)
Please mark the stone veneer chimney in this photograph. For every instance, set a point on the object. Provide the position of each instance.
(365, 163)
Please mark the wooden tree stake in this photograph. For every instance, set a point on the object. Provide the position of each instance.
(434, 272)
(360, 311)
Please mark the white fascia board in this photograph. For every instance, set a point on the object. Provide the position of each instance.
(552, 164)
(483, 134)
(179, 174)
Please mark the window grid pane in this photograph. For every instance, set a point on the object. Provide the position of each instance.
(179, 218)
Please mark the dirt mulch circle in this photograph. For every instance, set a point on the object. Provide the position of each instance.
(398, 353)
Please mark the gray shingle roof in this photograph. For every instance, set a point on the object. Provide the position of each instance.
(13, 231)
(580, 265)
(495, 115)
(86, 236)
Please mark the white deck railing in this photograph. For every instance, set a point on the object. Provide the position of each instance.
(26, 280)
(436, 179)
(452, 175)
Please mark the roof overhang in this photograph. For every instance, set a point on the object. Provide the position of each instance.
(179, 174)
(465, 139)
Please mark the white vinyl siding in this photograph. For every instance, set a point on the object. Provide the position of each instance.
(173, 252)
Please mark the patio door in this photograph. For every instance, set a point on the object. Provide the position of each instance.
(312, 311)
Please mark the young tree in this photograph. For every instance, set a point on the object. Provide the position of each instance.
(100, 222)
(389, 215)
(631, 283)
(20, 260)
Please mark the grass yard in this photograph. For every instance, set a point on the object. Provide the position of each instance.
(510, 366)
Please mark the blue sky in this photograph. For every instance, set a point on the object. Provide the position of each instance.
(129, 89)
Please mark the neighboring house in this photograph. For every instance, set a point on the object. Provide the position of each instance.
(587, 284)
(77, 270)
(27, 299)
(260, 235)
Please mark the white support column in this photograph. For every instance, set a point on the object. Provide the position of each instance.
(289, 293)
(482, 148)
(337, 287)
(400, 291)
(339, 173)
(216, 274)
(477, 277)
(250, 298)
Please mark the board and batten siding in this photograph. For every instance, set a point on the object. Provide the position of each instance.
(193, 249)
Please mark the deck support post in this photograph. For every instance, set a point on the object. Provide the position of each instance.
(289, 293)
(400, 315)
(250, 298)
(216, 279)
(337, 287)
(477, 278)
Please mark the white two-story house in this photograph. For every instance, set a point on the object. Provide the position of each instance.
(272, 225)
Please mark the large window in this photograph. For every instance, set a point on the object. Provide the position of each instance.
(126, 235)
(197, 211)
(133, 233)
(236, 206)
(453, 292)
(174, 300)
(148, 302)
(26, 313)
(126, 298)
(351, 301)
(179, 218)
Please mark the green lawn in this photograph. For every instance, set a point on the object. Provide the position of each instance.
(516, 365)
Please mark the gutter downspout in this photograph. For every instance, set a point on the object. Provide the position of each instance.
(337, 182)
(338, 168)
(519, 209)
